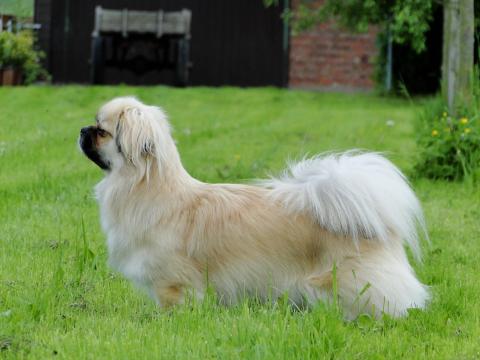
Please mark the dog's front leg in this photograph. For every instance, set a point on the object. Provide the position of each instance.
(168, 295)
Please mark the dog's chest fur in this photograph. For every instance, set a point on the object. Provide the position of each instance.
(136, 254)
(132, 263)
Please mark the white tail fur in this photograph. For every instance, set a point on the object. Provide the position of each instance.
(362, 195)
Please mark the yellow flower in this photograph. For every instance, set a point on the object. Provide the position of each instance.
(445, 114)
(467, 130)
(463, 121)
(434, 132)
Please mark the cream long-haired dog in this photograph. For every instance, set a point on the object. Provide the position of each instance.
(333, 225)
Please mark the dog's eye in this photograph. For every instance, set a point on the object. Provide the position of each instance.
(102, 133)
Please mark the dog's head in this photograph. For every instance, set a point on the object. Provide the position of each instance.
(127, 135)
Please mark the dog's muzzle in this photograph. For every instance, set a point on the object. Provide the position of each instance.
(87, 144)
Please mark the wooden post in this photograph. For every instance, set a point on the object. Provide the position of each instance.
(389, 64)
(458, 40)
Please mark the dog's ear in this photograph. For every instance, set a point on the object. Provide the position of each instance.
(135, 135)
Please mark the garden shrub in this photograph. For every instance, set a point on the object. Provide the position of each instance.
(449, 146)
(17, 51)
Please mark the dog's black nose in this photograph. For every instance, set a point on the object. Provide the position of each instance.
(84, 131)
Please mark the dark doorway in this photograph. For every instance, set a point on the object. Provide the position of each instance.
(420, 73)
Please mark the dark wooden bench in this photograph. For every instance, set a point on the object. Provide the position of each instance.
(119, 35)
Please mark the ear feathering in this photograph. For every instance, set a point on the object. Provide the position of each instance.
(143, 136)
(361, 195)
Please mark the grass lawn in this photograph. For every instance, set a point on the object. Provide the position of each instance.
(59, 298)
(22, 8)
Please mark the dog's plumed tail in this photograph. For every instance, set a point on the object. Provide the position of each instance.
(361, 195)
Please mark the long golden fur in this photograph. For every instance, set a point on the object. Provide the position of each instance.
(171, 233)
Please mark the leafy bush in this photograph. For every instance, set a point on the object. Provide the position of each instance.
(17, 51)
(449, 145)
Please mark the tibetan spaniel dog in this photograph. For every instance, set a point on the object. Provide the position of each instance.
(331, 226)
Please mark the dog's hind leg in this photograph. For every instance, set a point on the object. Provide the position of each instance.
(372, 282)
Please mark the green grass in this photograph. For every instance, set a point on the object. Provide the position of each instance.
(58, 296)
(22, 8)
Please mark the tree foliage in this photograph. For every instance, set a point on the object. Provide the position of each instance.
(407, 20)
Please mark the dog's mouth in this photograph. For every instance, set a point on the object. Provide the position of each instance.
(87, 144)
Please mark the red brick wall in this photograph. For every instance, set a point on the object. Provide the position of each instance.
(328, 57)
